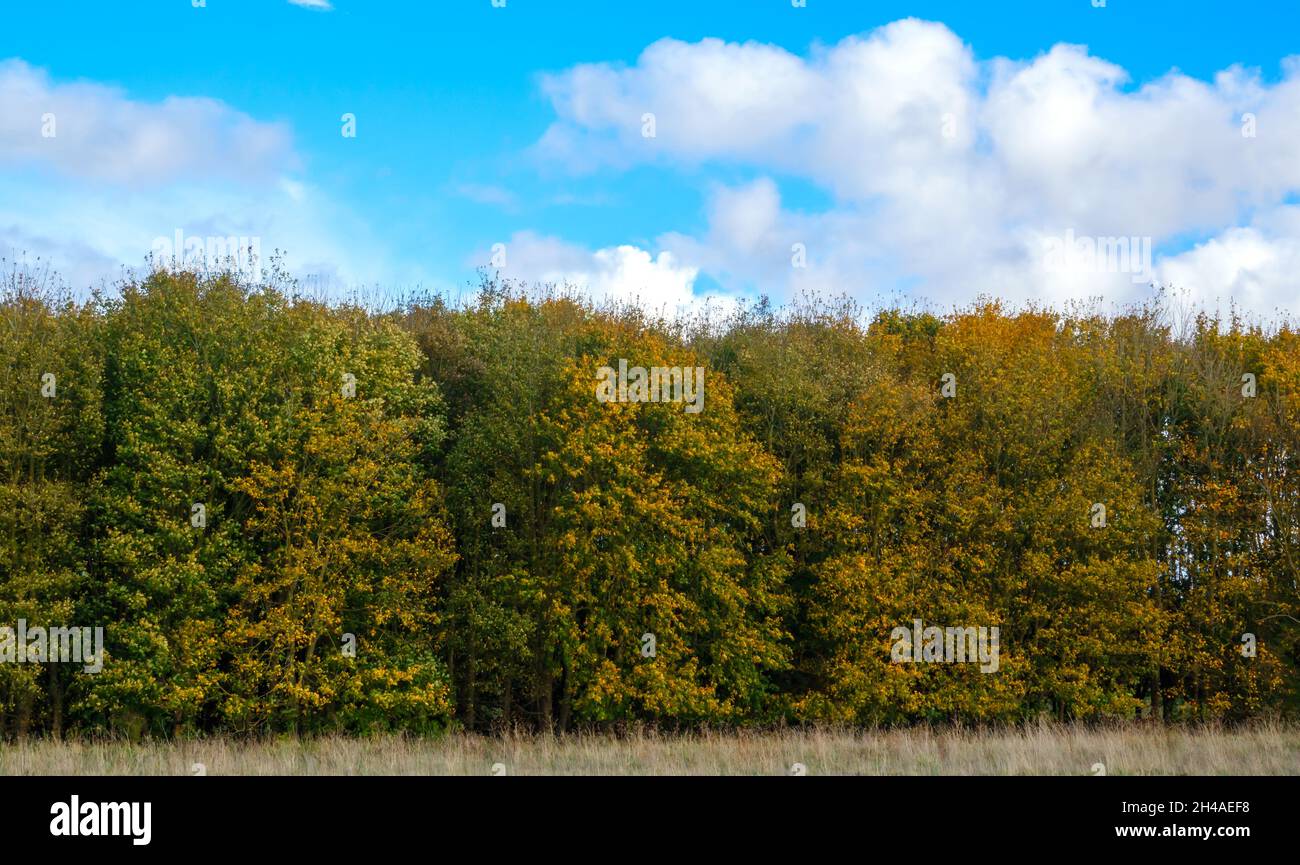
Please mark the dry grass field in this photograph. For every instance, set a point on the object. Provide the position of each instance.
(1034, 750)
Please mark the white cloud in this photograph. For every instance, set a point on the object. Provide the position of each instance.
(946, 172)
(1256, 266)
(86, 233)
(752, 240)
(625, 273)
(120, 173)
(96, 132)
(320, 5)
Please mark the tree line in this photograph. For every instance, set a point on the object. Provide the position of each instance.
(296, 516)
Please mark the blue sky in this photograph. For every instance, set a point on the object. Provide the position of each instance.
(478, 126)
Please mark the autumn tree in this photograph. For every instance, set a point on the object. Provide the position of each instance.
(612, 565)
(267, 494)
(51, 429)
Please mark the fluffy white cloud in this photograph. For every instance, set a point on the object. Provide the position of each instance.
(752, 239)
(117, 174)
(625, 273)
(95, 132)
(948, 173)
(1255, 266)
(320, 5)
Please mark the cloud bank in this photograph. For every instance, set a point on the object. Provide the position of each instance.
(953, 175)
(90, 178)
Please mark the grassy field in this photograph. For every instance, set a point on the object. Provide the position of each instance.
(1035, 750)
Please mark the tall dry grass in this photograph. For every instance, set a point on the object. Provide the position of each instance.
(1268, 748)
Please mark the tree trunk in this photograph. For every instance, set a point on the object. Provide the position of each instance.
(56, 703)
(544, 688)
(566, 698)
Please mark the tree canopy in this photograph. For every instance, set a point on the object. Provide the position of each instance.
(296, 516)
